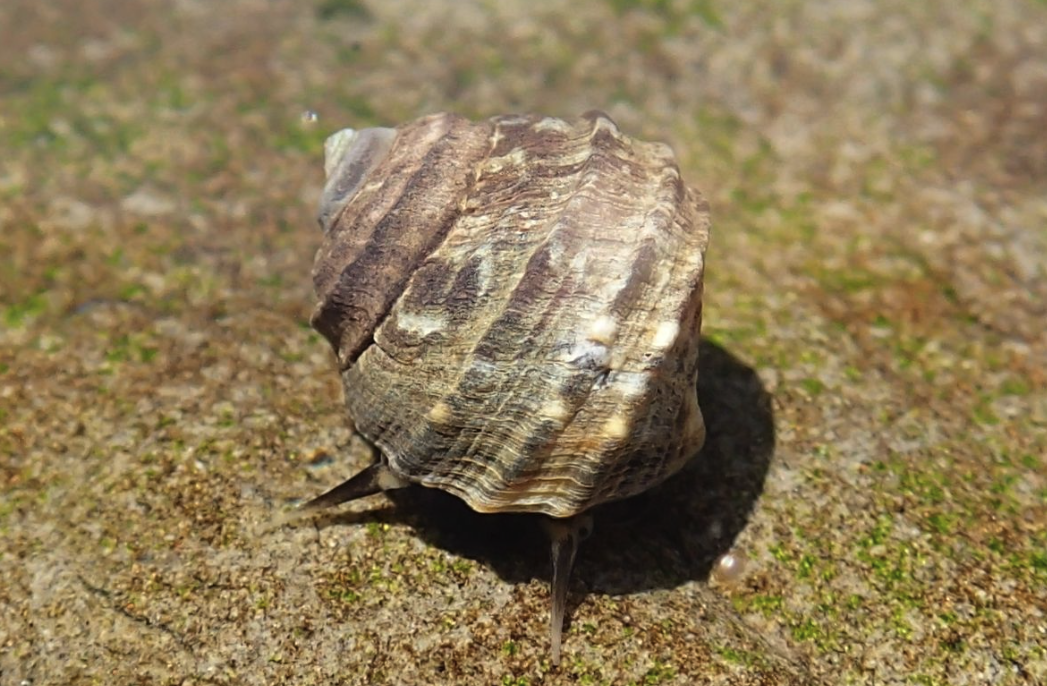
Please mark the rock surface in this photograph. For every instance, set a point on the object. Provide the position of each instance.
(873, 372)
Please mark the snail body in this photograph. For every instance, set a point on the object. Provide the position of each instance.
(515, 306)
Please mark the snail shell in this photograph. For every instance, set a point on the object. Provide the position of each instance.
(515, 306)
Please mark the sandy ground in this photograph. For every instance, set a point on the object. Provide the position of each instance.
(873, 371)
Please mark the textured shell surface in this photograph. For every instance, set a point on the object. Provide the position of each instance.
(515, 306)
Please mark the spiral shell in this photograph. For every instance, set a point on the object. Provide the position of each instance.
(515, 305)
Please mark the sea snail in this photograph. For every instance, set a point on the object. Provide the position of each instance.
(515, 307)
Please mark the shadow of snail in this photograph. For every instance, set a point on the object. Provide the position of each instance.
(663, 538)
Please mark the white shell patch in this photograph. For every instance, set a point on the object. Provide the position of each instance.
(631, 384)
(555, 410)
(552, 124)
(587, 354)
(617, 427)
(665, 335)
(422, 324)
(439, 413)
(603, 330)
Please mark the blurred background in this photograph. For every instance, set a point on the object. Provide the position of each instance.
(877, 171)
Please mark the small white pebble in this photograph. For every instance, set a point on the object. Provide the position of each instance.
(730, 567)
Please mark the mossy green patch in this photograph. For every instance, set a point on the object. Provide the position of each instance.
(738, 656)
(814, 387)
(511, 680)
(359, 108)
(673, 12)
(658, 673)
(352, 9)
(131, 348)
(294, 137)
(851, 280)
(19, 313)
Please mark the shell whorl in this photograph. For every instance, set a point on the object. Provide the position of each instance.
(515, 305)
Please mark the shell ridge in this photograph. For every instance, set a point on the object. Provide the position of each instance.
(596, 164)
(535, 443)
(521, 300)
(379, 272)
(522, 292)
(399, 169)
